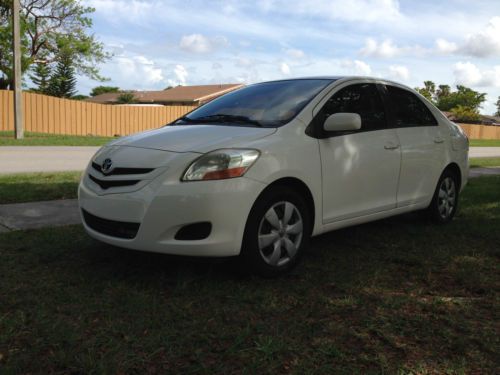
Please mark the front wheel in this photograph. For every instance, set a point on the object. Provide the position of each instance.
(445, 200)
(277, 230)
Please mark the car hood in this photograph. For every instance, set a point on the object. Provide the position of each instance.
(194, 138)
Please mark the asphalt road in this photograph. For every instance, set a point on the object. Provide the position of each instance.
(21, 159)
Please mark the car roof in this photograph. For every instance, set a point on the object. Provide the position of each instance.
(342, 78)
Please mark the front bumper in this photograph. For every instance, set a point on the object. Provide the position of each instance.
(162, 208)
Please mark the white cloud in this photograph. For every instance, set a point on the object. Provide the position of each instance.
(485, 43)
(387, 49)
(399, 72)
(356, 67)
(285, 69)
(140, 66)
(295, 53)
(469, 74)
(180, 73)
(374, 49)
(198, 43)
(445, 47)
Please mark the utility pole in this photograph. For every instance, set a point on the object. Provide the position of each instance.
(16, 50)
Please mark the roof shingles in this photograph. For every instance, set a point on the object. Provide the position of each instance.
(179, 94)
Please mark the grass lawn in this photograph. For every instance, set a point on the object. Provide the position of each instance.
(396, 296)
(484, 142)
(29, 187)
(39, 139)
(484, 162)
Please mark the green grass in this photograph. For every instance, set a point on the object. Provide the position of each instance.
(484, 162)
(29, 187)
(484, 142)
(396, 296)
(39, 139)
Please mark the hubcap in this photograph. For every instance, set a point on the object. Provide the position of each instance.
(446, 198)
(280, 233)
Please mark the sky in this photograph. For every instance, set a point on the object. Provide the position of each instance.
(160, 43)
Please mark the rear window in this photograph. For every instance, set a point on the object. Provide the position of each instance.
(408, 109)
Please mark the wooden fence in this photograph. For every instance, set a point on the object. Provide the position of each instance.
(481, 131)
(46, 114)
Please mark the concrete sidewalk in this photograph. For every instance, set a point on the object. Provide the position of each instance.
(484, 152)
(24, 159)
(34, 215)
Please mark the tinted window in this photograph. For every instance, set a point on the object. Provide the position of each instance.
(268, 104)
(408, 109)
(363, 99)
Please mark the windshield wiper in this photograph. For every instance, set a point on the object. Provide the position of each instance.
(224, 118)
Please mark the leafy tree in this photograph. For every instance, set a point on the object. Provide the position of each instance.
(47, 27)
(126, 98)
(443, 91)
(428, 91)
(98, 90)
(40, 77)
(79, 97)
(63, 82)
(466, 114)
(464, 96)
(498, 107)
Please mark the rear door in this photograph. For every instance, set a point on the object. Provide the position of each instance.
(422, 145)
(360, 169)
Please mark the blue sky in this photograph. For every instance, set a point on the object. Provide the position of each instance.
(160, 43)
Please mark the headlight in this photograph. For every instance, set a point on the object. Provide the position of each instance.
(221, 164)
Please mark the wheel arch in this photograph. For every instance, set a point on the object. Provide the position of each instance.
(299, 186)
(455, 169)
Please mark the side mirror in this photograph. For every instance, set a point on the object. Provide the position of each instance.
(342, 122)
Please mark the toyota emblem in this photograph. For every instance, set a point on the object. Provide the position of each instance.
(106, 165)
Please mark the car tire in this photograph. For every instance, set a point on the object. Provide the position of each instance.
(276, 233)
(444, 203)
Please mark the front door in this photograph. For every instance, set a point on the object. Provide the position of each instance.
(360, 169)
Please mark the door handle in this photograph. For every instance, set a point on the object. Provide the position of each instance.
(438, 140)
(391, 146)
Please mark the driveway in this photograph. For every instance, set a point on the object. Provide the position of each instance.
(20, 159)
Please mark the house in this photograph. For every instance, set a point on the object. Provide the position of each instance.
(180, 95)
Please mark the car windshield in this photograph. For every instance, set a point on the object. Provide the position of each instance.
(269, 104)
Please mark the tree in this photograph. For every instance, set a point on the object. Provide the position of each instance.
(40, 77)
(464, 96)
(79, 97)
(428, 91)
(47, 27)
(443, 91)
(63, 82)
(98, 90)
(498, 107)
(126, 98)
(466, 114)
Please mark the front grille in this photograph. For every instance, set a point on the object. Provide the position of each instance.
(122, 171)
(106, 184)
(120, 229)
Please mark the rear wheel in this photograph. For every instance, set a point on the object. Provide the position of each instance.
(445, 201)
(277, 230)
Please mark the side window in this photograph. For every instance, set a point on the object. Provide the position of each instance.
(408, 109)
(363, 99)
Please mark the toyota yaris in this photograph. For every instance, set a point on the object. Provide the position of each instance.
(258, 171)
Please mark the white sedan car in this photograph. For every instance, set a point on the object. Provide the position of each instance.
(257, 172)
